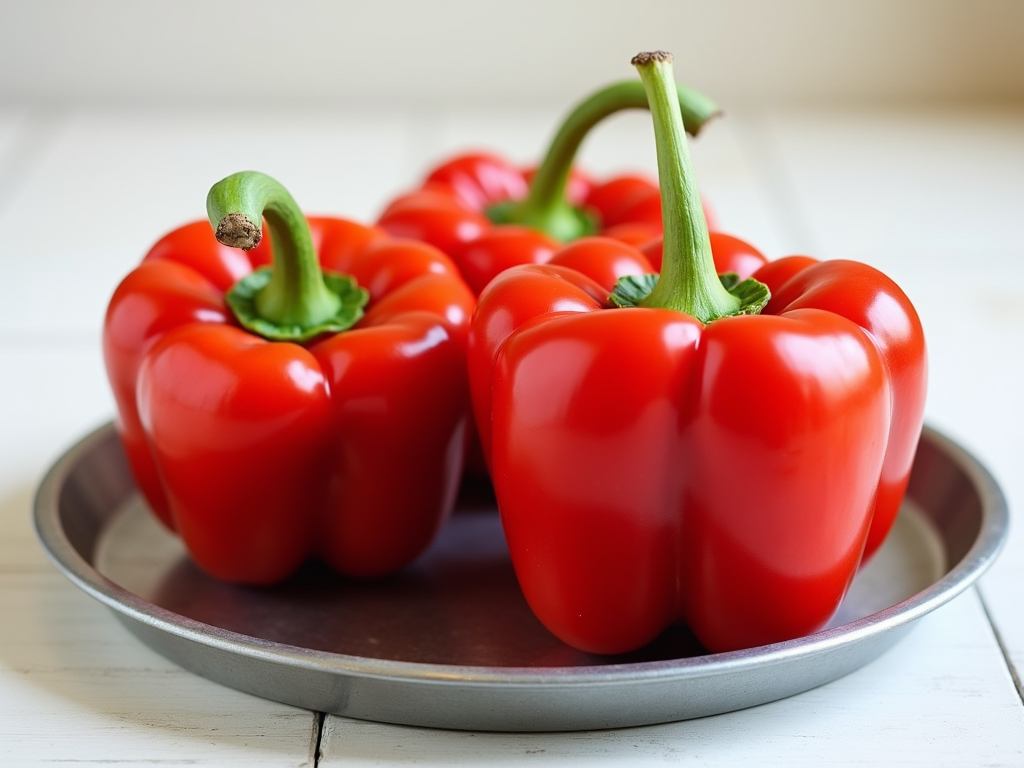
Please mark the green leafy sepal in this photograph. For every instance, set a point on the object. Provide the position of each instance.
(562, 222)
(242, 300)
(630, 291)
(753, 294)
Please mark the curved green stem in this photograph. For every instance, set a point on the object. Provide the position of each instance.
(688, 281)
(293, 299)
(545, 207)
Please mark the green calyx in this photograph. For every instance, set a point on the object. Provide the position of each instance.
(293, 299)
(688, 281)
(545, 207)
(753, 296)
(562, 222)
(243, 296)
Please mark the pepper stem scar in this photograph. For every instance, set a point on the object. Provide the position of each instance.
(688, 281)
(545, 207)
(293, 300)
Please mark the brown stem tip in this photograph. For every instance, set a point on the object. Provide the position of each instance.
(236, 231)
(650, 57)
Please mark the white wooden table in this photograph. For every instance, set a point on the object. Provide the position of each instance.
(934, 198)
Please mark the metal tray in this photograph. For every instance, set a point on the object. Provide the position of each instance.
(450, 642)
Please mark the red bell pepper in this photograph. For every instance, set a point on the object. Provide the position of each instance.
(267, 415)
(682, 450)
(489, 214)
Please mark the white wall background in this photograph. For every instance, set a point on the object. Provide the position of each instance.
(741, 51)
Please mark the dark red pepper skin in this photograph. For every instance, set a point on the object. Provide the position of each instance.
(448, 211)
(650, 469)
(263, 454)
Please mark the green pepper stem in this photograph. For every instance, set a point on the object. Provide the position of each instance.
(296, 300)
(545, 207)
(688, 281)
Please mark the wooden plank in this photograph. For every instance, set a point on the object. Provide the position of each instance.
(16, 155)
(11, 119)
(116, 181)
(902, 183)
(78, 688)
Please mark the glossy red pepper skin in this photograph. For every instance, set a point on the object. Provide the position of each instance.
(650, 469)
(263, 454)
(449, 212)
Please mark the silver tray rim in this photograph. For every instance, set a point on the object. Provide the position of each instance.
(991, 538)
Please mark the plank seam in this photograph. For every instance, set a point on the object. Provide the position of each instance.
(34, 138)
(1010, 666)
